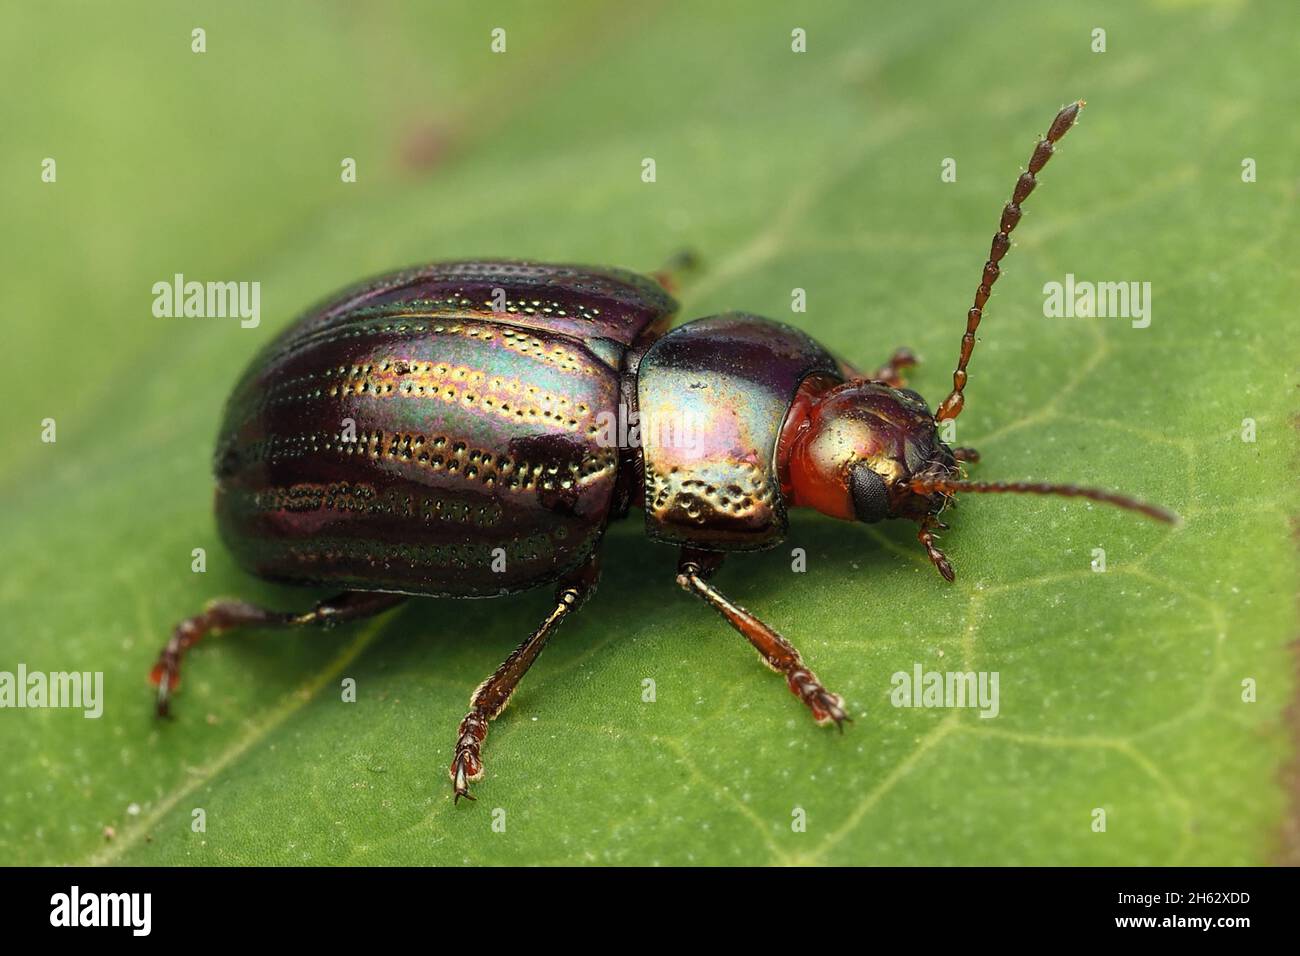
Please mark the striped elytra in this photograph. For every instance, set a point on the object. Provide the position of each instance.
(434, 432)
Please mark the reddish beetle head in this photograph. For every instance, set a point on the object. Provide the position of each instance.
(852, 451)
(865, 451)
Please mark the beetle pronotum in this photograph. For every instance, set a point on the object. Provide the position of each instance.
(476, 392)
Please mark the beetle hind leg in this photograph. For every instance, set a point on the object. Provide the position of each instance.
(490, 697)
(693, 570)
(227, 615)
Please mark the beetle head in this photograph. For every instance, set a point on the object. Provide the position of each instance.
(853, 450)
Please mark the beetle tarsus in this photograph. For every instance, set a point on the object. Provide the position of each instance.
(460, 773)
(827, 708)
(162, 708)
(163, 705)
(467, 764)
(940, 560)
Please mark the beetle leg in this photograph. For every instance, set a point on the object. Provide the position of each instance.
(227, 615)
(693, 570)
(966, 454)
(491, 696)
(925, 534)
(891, 373)
(670, 274)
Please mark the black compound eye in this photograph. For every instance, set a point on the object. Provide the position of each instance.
(870, 497)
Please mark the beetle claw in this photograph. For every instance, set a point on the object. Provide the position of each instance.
(827, 708)
(164, 710)
(163, 705)
(461, 776)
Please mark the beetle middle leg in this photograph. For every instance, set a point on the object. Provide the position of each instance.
(227, 615)
(491, 696)
(891, 373)
(694, 568)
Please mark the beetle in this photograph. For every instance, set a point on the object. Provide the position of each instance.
(445, 431)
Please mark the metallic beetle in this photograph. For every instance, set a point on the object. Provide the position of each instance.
(470, 429)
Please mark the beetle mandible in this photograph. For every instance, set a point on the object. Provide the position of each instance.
(444, 432)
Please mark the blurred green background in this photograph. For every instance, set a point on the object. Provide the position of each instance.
(820, 170)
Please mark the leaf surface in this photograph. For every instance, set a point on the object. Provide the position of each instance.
(820, 171)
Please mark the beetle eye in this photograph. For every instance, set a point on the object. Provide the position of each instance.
(870, 498)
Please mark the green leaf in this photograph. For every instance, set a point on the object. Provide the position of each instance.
(1119, 690)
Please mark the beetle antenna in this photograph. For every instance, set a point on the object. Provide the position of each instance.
(948, 486)
(952, 405)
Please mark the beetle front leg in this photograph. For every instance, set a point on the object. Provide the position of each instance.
(227, 614)
(925, 534)
(491, 696)
(693, 570)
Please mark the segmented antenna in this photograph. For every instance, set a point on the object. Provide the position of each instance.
(948, 486)
(952, 405)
